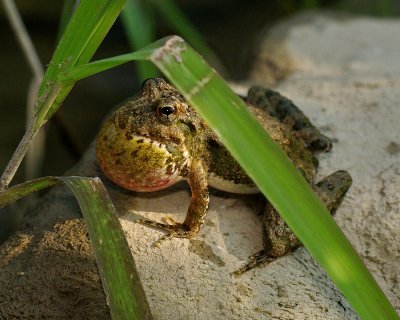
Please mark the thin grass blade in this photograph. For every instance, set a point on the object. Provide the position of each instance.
(83, 35)
(86, 70)
(184, 27)
(310, 4)
(139, 27)
(24, 189)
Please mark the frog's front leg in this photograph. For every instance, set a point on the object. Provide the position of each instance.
(278, 238)
(197, 177)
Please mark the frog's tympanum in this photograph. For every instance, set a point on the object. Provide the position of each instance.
(158, 139)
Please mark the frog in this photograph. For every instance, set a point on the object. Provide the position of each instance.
(156, 139)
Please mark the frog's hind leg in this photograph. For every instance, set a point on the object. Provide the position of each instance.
(287, 112)
(278, 238)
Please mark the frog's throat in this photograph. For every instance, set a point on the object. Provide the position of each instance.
(143, 164)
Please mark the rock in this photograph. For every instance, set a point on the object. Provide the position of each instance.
(345, 76)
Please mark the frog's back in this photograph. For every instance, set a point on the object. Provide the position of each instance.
(227, 175)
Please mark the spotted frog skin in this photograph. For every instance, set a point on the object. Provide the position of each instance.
(157, 139)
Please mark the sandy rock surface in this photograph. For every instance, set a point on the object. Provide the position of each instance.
(346, 77)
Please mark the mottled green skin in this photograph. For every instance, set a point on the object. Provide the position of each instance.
(158, 139)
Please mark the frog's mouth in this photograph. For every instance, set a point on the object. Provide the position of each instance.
(139, 163)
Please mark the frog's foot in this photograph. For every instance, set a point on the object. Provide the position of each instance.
(259, 259)
(176, 230)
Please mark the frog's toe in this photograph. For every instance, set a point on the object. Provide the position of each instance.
(178, 233)
(258, 259)
(176, 230)
(158, 225)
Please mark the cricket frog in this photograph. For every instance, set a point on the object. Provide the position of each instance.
(157, 139)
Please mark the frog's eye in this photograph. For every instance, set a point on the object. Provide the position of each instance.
(166, 112)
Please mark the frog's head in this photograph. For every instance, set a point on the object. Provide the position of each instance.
(148, 142)
(160, 112)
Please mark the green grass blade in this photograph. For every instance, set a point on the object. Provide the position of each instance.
(140, 31)
(178, 21)
(274, 174)
(66, 14)
(125, 295)
(83, 35)
(384, 8)
(86, 70)
(139, 23)
(310, 4)
(24, 189)
(109, 14)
